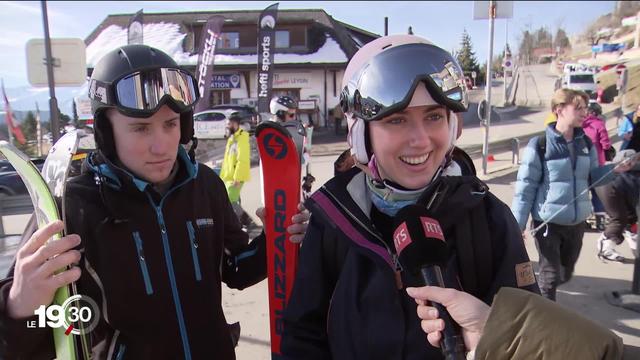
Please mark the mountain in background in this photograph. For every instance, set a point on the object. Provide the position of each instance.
(23, 99)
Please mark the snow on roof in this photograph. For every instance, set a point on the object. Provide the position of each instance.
(168, 38)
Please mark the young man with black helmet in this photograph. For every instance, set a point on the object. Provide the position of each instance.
(152, 231)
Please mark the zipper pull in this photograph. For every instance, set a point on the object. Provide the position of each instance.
(398, 272)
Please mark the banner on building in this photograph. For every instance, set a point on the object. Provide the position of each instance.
(226, 81)
(12, 128)
(134, 31)
(266, 52)
(206, 57)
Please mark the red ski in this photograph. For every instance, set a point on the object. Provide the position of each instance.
(280, 166)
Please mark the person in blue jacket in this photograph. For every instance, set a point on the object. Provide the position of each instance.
(629, 131)
(402, 97)
(552, 185)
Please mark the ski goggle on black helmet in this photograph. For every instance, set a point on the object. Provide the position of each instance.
(141, 92)
(385, 83)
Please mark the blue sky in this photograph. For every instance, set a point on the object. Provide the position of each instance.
(442, 22)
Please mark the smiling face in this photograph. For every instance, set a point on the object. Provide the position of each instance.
(148, 147)
(411, 144)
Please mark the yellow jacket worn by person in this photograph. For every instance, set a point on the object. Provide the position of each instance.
(236, 162)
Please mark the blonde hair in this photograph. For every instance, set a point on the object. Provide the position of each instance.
(564, 97)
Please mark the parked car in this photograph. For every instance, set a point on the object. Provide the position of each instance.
(10, 182)
(212, 123)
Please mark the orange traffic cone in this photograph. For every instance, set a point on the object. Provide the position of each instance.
(490, 158)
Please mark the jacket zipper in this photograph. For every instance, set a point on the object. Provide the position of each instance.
(121, 350)
(143, 263)
(394, 257)
(194, 250)
(171, 272)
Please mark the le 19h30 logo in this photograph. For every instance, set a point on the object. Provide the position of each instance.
(78, 315)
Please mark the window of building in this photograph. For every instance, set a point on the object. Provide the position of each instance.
(219, 97)
(282, 39)
(229, 40)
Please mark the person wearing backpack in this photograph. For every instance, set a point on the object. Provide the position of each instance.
(402, 97)
(552, 185)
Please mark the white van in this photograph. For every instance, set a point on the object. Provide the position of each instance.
(584, 81)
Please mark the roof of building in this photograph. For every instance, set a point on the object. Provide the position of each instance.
(332, 42)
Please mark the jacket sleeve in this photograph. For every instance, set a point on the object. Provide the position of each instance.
(518, 328)
(243, 263)
(305, 319)
(512, 266)
(625, 127)
(603, 136)
(529, 178)
(599, 175)
(243, 166)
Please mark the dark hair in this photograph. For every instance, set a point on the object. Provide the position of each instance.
(235, 117)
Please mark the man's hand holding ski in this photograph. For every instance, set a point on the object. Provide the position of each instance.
(35, 280)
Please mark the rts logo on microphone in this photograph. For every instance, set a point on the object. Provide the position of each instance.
(431, 228)
(401, 237)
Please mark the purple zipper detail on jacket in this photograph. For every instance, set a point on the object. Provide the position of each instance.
(343, 223)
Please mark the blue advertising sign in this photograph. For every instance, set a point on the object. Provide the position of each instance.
(225, 81)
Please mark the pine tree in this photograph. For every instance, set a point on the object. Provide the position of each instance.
(466, 56)
(28, 126)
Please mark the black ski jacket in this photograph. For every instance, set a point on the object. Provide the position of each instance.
(348, 300)
(153, 263)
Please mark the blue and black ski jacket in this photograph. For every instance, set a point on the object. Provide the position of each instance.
(154, 264)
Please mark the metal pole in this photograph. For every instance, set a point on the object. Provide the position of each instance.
(636, 41)
(504, 58)
(386, 26)
(53, 102)
(485, 145)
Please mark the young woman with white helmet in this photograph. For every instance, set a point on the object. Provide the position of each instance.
(402, 97)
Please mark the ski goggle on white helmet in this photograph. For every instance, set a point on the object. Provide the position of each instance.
(386, 76)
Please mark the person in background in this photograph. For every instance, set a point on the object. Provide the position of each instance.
(556, 167)
(236, 165)
(620, 198)
(629, 131)
(594, 127)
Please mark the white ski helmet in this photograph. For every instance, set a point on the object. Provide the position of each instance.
(398, 63)
(280, 105)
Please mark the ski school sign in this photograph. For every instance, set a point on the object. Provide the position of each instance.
(266, 46)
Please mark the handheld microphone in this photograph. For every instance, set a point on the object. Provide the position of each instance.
(421, 248)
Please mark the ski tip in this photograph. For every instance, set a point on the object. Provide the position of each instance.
(271, 125)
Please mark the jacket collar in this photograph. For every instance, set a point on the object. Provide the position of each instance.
(345, 203)
(578, 132)
(119, 178)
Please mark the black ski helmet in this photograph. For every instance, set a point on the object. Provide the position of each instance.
(279, 105)
(114, 66)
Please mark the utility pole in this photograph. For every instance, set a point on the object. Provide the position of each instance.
(386, 26)
(53, 102)
(487, 124)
